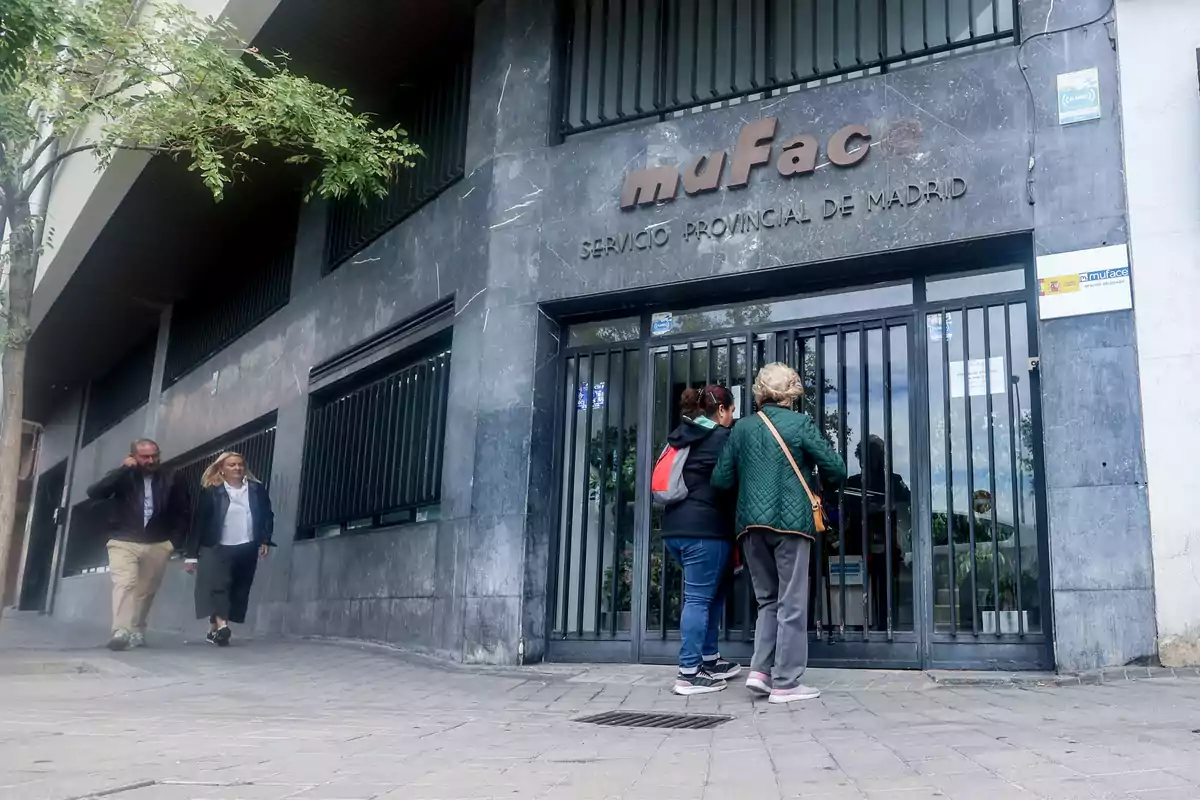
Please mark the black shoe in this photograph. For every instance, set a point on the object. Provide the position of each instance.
(211, 637)
(699, 683)
(222, 636)
(720, 668)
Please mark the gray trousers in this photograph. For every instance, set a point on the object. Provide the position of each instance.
(778, 564)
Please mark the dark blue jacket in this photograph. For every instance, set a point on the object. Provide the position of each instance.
(210, 517)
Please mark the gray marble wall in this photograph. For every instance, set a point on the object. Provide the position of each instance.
(506, 243)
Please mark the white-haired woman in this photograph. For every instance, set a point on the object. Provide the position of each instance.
(775, 522)
(231, 532)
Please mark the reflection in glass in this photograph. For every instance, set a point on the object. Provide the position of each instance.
(606, 332)
(811, 306)
(599, 492)
(984, 527)
(975, 283)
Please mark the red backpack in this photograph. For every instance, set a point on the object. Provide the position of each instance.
(667, 486)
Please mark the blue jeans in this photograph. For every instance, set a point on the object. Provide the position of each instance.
(703, 562)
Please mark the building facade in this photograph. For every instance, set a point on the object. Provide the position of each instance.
(1159, 48)
(457, 393)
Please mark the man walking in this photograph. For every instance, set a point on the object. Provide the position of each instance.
(148, 512)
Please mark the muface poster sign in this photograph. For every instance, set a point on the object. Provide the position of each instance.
(755, 157)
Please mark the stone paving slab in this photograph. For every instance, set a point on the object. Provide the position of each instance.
(267, 720)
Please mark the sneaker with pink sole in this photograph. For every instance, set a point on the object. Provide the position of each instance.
(798, 692)
(759, 683)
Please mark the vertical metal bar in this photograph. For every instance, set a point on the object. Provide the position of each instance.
(949, 472)
(662, 545)
(865, 471)
(995, 16)
(620, 489)
(733, 45)
(712, 24)
(623, 22)
(837, 64)
(840, 343)
(589, 401)
(949, 34)
(410, 447)
(696, 50)
(970, 470)
(602, 92)
(747, 381)
(814, 29)
(769, 41)
(991, 433)
(882, 21)
(641, 49)
(708, 362)
(925, 22)
(1013, 425)
(605, 471)
(587, 61)
(858, 32)
(754, 44)
(971, 18)
(794, 38)
(443, 414)
(888, 499)
(822, 562)
(662, 65)
(573, 369)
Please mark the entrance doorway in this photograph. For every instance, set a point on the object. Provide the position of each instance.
(43, 535)
(935, 552)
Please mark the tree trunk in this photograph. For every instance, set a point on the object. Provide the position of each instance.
(18, 300)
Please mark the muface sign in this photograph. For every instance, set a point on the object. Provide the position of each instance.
(798, 156)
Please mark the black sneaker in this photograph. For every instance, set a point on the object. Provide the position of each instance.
(699, 683)
(211, 637)
(221, 636)
(720, 668)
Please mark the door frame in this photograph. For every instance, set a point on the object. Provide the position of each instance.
(929, 650)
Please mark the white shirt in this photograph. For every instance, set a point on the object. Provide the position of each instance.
(147, 499)
(239, 525)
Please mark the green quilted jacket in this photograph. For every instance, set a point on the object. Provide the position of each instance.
(768, 494)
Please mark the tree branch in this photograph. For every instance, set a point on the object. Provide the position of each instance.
(36, 154)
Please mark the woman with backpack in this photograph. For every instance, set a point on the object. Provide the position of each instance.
(769, 460)
(698, 532)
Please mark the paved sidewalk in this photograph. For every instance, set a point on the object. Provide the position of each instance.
(284, 719)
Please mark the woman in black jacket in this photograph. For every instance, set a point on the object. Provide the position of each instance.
(698, 532)
(231, 532)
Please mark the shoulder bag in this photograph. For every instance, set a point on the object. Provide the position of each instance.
(820, 522)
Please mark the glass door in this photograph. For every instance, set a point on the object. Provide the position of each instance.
(857, 378)
(987, 566)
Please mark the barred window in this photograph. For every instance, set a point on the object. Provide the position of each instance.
(122, 390)
(373, 450)
(219, 312)
(436, 120)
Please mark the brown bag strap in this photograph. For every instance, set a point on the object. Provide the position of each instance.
(795, 467)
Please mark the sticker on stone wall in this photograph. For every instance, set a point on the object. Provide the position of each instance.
(1078, 96)
(1084, 282)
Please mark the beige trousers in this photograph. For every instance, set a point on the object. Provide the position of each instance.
(137, 572)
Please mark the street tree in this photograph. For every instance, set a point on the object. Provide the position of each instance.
(86, 80)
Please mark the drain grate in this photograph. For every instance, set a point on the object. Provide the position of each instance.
(645, 719)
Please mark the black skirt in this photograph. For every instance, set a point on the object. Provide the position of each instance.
(223, 581)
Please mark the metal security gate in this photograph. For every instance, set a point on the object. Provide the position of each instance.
(935, 556)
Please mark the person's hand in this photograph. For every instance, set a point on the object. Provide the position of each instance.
(129, 461)
(189, 567)
(263, 550)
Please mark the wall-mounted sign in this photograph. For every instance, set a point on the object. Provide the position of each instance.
(705, 173)
(1078, 96)
(1084, 282)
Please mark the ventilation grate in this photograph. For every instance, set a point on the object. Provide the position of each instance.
(644, 719)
